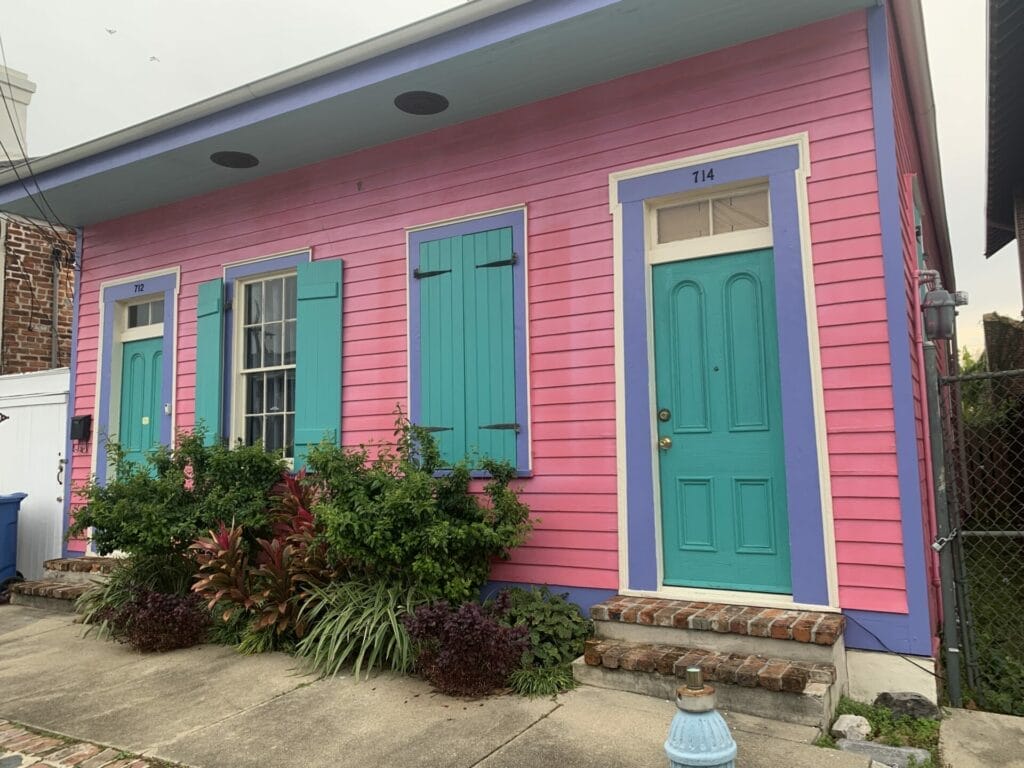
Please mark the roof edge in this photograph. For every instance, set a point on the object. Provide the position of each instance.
(908, 21)
(410, 34)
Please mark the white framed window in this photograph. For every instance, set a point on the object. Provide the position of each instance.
(144, 313)
(715, 221)
(264, 400)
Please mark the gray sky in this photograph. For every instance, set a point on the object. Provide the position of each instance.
(92, 81)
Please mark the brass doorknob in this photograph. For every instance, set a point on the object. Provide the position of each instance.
(665, 443)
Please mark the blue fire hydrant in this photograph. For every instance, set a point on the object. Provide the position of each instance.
(698, 735)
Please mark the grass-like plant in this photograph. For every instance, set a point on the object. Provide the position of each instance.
(542, 681)
(357, 623)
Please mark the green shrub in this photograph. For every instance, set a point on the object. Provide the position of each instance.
(896, 730)
(396, 519)
(557, 627)
(542, 681)
(357, 623)
(159, 508)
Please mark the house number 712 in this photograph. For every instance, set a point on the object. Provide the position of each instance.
(139, 287)
(704, 174)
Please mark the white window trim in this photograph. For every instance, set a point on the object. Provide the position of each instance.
(238, 352)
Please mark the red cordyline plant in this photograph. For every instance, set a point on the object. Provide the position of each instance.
(271, 582)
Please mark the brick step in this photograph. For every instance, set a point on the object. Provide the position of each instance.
(78, 570)
(55, 596)
(772, 632)
(802, 692)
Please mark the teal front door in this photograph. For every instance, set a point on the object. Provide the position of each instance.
(719, 424)
(141, 381)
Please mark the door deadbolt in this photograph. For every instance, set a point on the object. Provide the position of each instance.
(664, 414)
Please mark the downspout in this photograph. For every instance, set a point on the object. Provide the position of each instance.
(3, 283)
(55, 255)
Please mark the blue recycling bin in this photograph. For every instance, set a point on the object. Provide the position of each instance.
(10, 503)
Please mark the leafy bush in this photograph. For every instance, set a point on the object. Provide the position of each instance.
(557, 627)
(465, 651)
(896, 730)
(393, 519)
(267, 582)
(170, 574)
(358, 623)
(161, 507)
(152, 621)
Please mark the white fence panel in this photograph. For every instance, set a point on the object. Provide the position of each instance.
(32, 444)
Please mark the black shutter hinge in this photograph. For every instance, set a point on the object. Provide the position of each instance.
(436, 429)
(512, 426)
(227, 305)
(418, 275)
(503, 263)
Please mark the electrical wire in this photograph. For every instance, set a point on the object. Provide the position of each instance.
(890, 650)
(57, 241)
(23, 146)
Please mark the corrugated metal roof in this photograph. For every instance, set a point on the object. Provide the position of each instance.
(1005, 118)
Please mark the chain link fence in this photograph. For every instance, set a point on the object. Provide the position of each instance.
(983, 431)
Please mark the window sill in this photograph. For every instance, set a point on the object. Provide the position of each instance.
(480, 474)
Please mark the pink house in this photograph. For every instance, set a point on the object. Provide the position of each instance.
(662, 260)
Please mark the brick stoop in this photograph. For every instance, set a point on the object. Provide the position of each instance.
(786, 665)
(79, 570)
(56, 596)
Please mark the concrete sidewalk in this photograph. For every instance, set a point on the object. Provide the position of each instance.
(982, 739)
(208, 707)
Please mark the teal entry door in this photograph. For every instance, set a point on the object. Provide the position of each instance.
(141, 406)
(719, 424)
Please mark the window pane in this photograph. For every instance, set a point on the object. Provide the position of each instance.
(289, 298)
(133, 315)
(289, 343)
(253, 303)
(683, 222)
(732, 214)
(273, 299)
(289, 437)
(275, 392)
(252, 348)
(289, 397)
(274, 438)
(254, 393)
(272, 343)
(253, 429)
(156, 311)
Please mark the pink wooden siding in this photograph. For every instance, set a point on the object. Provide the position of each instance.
(908, 161)
(555, 156)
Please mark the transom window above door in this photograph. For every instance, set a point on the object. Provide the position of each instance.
(146, 313)
(734, 211)
(267, 366)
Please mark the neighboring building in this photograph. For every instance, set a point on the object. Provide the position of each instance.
(31, 337)
(1004, 213)
(663, 260)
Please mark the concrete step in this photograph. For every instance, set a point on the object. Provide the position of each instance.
(800, 692)
(78, 570)
(797, 635)
(54, 596)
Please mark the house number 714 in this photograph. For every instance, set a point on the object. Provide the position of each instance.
(704, 174)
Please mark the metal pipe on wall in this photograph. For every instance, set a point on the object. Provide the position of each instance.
(55, 313)
(950, 635)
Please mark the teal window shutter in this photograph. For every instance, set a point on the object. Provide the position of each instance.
(210, 358)
(467, 344)
(317, 356)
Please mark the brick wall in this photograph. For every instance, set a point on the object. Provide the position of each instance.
(28, 299)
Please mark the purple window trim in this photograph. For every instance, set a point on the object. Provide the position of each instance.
(899, 342)
(492, 30)
(516, 220)
(69, 455)
(806, 532)
(166, 284)
(232, 274)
